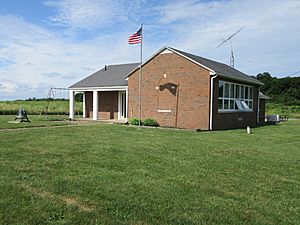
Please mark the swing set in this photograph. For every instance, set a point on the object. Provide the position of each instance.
(56, 103)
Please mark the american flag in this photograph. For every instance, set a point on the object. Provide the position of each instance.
(135, 38)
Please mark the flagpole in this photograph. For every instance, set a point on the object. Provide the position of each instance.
(140, 76)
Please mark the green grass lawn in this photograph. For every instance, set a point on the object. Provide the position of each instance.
(111, 174)
(7, 121)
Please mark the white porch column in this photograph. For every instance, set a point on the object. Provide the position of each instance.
(119, 105)
(83, 105)
(127, 103)
(71, 104)
(95, 105)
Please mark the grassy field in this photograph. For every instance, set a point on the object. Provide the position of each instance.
(110, 174)
(279, 109)
(36, 107)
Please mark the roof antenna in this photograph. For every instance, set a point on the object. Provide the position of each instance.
(105, 68)
(231, 49)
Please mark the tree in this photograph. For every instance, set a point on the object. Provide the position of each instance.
(79, 97)
(282, 90)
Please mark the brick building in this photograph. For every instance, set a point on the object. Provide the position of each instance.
(178, 89)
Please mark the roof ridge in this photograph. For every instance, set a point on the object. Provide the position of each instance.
(121, 64)
(113, 76)
(218, 67)
(199, 56)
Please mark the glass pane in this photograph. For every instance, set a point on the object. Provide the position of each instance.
(221, 87)
(239, 105)
(226, 92)
(231, 90)
(220, 104)
(226, 104)
(231, 104)
(242, 92)
(246, 92)
(251, 93)
(250, 104)
(245, 105)
(235, 106)
(237, 91)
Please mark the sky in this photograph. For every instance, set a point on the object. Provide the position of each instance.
(55, 43)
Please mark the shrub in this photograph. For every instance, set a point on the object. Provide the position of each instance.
(150, 122)
(134, 121)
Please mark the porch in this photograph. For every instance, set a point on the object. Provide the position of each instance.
(102, 104)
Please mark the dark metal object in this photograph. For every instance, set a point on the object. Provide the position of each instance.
(22, 115)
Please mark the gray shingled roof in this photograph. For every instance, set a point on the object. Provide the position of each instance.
(115, 74)
(112, 76)
(263, 96)
(220, 68)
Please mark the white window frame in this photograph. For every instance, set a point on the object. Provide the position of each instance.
(239, 104)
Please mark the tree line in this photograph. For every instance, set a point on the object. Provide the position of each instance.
(78, 98)
(281, 90)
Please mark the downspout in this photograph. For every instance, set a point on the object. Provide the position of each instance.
(176, 118)
(257, 118)
(211, 100)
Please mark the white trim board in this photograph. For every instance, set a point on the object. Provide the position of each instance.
(112, 88)
(164, 110)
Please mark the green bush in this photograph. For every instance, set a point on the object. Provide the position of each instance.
(134, 121)
(150, 122)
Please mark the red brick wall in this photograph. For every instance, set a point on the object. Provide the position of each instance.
(185, 91)
(107, 105)
(229, 120)
(89, 104)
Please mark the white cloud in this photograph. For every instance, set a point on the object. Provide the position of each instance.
(43, 58)
(269, 41)
(34, 58)
(82, 13)
(92, 14)
(7, 86)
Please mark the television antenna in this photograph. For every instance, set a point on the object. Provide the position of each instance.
(231, 49)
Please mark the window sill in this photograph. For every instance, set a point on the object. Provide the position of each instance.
(235, 111)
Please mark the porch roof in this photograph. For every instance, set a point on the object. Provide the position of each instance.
(109, 76)
(263, 96)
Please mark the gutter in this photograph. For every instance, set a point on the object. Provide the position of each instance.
(114, 88)
(211, 100)
(258, 109)
(240, 79)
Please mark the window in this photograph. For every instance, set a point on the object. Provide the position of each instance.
(221, 87)
(234, 97)
(232, 90)
(226, 90)
(245, 105)
(239, 105)
(242, 91)
(237, 91)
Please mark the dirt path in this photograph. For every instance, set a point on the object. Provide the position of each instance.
(68, 200)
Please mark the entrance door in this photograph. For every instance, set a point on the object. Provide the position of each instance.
(123, 105)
